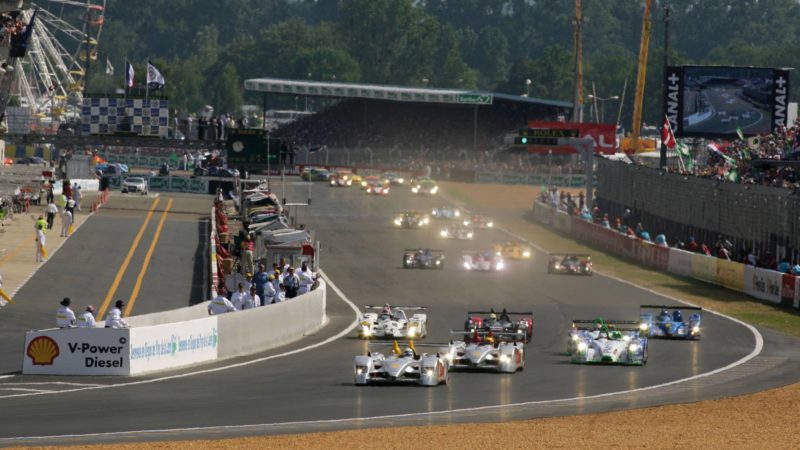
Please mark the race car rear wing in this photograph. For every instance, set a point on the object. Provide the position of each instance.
(483, 333)
(416, 213)
(626, 325)
(528, 313)
(577, 255)
(691, 308)
(414, 250)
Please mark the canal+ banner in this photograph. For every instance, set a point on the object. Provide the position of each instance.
(120, 351)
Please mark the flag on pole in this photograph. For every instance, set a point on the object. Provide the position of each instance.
(667, 136)
(109, 67)
(683, 153)
(714, 148)
(740, 133)
(129, 74)
(155, 80)
(19, 42)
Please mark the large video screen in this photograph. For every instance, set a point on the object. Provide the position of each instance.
(714, 102)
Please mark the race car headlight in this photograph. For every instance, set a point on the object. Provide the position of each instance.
(696, 329)
(469, 235)
(366, 331)
(363, 184)
(526, 254)
(457, 213)
(333, 182)
(414, 190)
(401, 181)
(435, 213)
(575, 337)
(644, 327)
(349, 182)
(633, 347)
(497, 253)
(582, 346)
(438, 262)
(398, 222)
(466, 223)
(435, 189)
(409, 369)
(490, 224)
(503, 358)
(360, 369)
(466, 265)
(425, 221)
(626, 338)
(412, 331)
(429, 372)
(500, 266)
(489, 357)
(369, 190)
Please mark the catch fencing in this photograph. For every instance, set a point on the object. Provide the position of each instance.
(769, 285)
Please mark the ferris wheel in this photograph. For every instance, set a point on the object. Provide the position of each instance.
(63, 46)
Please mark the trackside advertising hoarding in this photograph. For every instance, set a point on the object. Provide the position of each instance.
(77, 351)
(173, 345)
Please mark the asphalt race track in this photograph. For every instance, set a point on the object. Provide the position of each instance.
(312, 390)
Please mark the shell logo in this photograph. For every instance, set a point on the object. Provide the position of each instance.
(42, 351)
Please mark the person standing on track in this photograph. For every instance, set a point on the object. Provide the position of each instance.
(77, 197)
(66, 222)
(86, 319)
(41, 241)
(65, 318)
(114, 317)
(51, 210)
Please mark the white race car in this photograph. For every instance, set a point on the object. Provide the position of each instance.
(485, 261)
(446, 212)
(400, 366)
(607, 343)
(456, 231)
(501, 352)
(392, 322)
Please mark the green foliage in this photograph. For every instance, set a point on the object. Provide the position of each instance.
(207, 48)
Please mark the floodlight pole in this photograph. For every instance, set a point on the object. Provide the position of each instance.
(663, 157)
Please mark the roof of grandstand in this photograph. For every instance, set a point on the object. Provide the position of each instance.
(391, 93)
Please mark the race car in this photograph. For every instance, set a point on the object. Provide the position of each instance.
(586, 329)
(446, 212)
(368, 180)
(400, 366)
(669, 323)
(609, 343)
(513, 249)
(392, 178)
(341, 178)
(480, 221)
(425, 186)
(357, 179)
(570, 264)
(423, 258)
(486, 350)
(456, 231)
(484, 261)
(377, 188)
(521, 325)
(315, 174)
(382, 322)
(410, 219)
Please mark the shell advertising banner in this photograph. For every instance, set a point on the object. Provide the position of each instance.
(77, 351)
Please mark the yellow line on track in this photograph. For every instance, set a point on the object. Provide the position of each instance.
(113, 289)
(146, 263)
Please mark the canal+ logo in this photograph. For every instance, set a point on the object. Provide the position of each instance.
(42, 351)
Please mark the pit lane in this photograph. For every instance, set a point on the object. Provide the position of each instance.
(312, 389)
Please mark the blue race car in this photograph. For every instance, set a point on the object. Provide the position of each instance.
(670, 323)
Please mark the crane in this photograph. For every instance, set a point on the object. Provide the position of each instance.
(641, 74)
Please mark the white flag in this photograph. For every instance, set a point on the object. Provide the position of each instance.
(109, 67)
(155, 80)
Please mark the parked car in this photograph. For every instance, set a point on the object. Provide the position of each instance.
(134, 184)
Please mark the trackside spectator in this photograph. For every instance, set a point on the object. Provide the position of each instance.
(86, 319)
(252, 300)
(784, 266)
(260, 280)
(114, 317)
(269, 291)
(292, 283)
(239, 297)
(280, 295)
(220, 305)
(51, 210)
(65, 318)
(306, 277)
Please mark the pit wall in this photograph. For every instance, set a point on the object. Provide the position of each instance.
(763, 284)
(173, 339)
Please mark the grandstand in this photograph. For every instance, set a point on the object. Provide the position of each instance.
(390, 118)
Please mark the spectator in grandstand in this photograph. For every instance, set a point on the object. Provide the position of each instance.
(605, 223)
(751, 259)
(770, 262)
(220, 305)
(784, 266)
(796, 268)
(661, 240)
(86, 319)
(692, 246)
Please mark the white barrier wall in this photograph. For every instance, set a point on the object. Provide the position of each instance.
(77, 351)
(173, 345)
(763, 284)
(173, 339)
(680, 262)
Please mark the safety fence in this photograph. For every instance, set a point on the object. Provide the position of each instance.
(764, 284)
(173, 339)
(183, 184)
(538, 179)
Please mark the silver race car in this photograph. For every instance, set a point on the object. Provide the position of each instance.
(423, 258)
(485, 261)
(410, 219)
(446, 212)
(400, 366)
(456, 231)
(607, 343)
(392, 322)
(486, 350)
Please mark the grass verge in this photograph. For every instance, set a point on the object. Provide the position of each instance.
(512, 203)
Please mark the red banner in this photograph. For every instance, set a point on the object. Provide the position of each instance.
(604, 135)
(788, 291)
